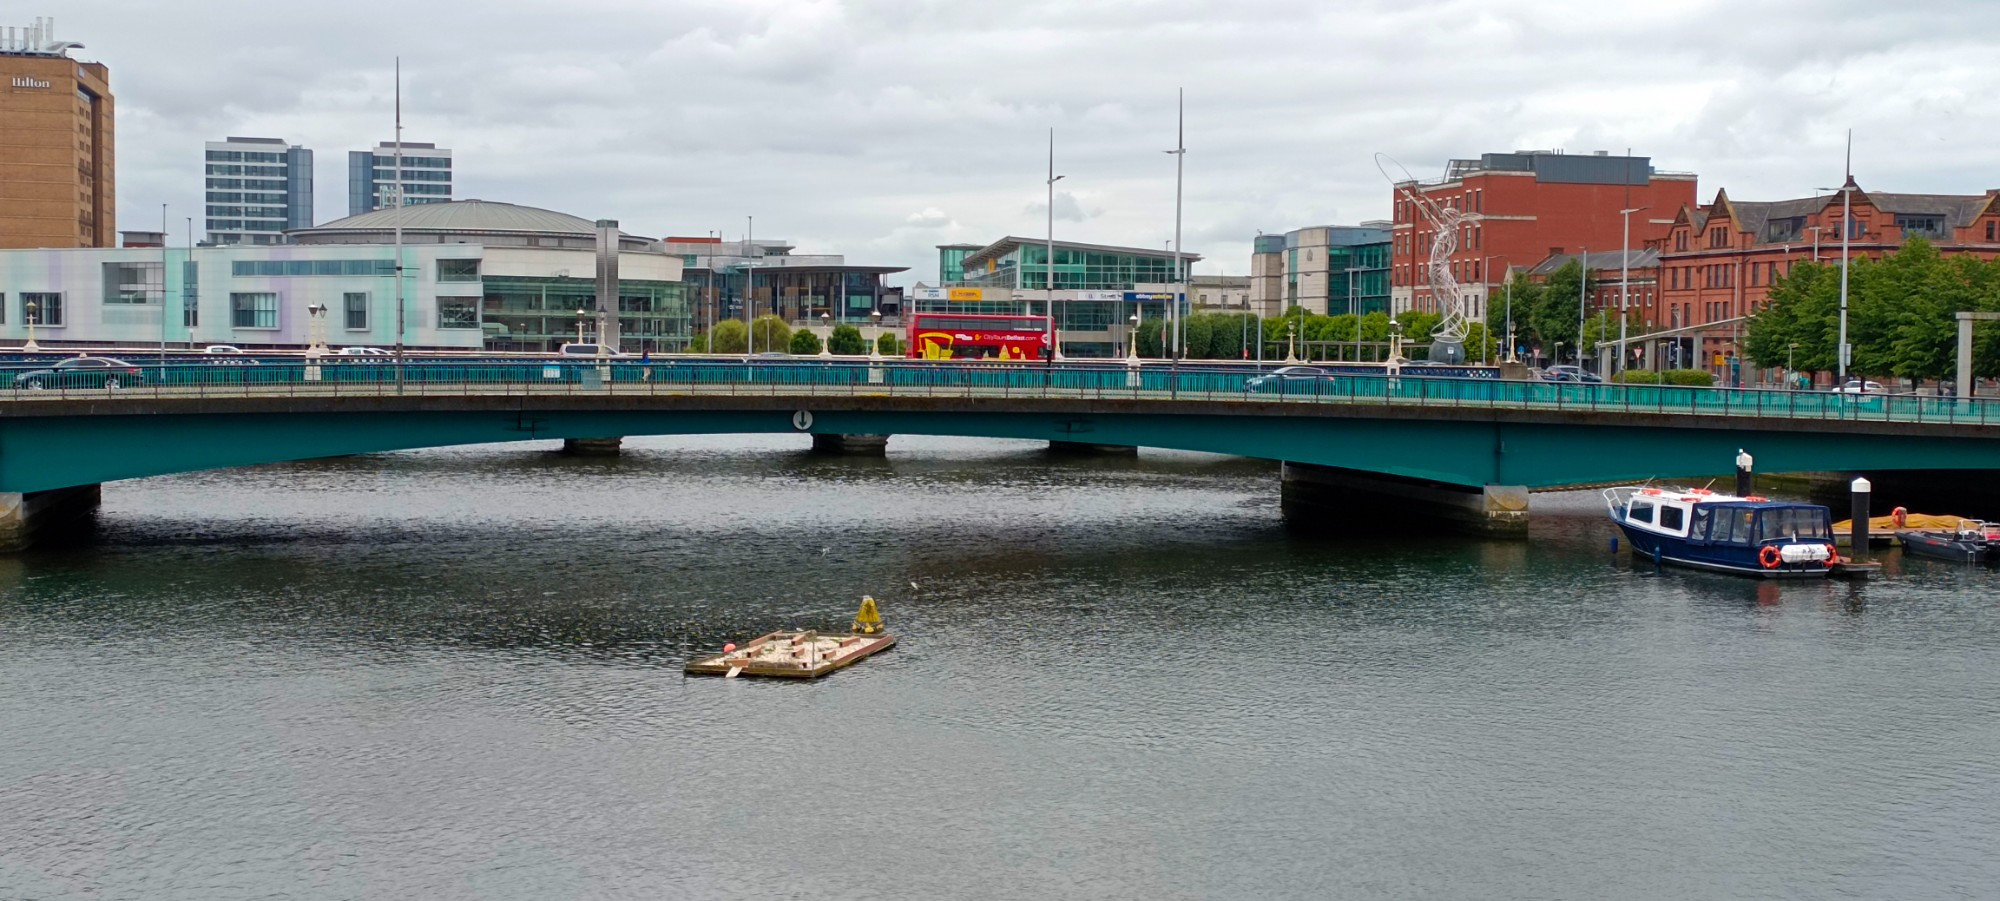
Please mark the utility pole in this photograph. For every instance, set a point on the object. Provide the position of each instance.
(1582, 280)
(396, 217)
(1180, 278)
(1055, 333)
(1846, 232)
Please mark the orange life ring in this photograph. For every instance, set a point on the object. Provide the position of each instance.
(1900, 515)
(1832, 556)
(1757, 500)
(1768, 556)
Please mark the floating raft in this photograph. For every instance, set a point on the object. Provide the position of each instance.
(793, 655)
(1883, 529)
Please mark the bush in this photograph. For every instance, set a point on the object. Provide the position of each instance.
(698, 344)
(769, 333)
(1637, 377)
(846, 340)
(728, 337)
(888, 346)
(1694, 378)
(804, 344)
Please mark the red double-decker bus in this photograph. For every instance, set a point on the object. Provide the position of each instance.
(978, 336)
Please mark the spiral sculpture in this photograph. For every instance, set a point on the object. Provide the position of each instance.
(1447, 224)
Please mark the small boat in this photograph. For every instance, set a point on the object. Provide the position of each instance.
(1748, 536)
(1967, 541)
(800, 653)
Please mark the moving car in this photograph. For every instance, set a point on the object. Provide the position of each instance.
(81, 372)
(1858, 386)
(1285, 378)
(589, 350)
(1568, 373)
(222, 349)
(362, 352)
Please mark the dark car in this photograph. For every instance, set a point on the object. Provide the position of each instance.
(1285, 378)
(1568, 373)
(81, 372)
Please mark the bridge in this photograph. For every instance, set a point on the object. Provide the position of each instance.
(1466, 449)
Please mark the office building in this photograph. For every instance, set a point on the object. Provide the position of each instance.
(1327, 269)
(801, 288)
(257, 189)
(1219, 293)
(1719, 261)
(57, 160)
(1098, 287)
(371, 174)
(1520, 208)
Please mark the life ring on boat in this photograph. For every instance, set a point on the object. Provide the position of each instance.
(1699, 491)
(1832, 556)
(1900, 515)
(1755, 499)
(1768, 556)
(1650, 491)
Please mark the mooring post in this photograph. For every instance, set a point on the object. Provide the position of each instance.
(1743, 461)
(1858, 501)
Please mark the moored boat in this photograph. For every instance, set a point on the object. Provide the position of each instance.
(1749, 536)
(1967, 541)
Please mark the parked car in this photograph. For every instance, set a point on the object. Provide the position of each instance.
(1568, 373)
(589, 350)
(82, 372)
(362, 352)
(222, 349)
(1859, 386)
(1285, 378)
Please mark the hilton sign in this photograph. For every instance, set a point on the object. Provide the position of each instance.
(24, 82)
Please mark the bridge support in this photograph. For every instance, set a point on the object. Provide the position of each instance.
(27, 518)
(1348, 500)
(851, 445)
(1086, 449)
(591, 447)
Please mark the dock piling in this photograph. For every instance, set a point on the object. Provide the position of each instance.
(1743, 461)
(1858, 496)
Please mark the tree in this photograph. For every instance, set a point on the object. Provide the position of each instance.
(887, 345)
(1197, 334)
(728, 337)
(804, 343)
(1152, 338)
(768, 333)
(1554, 312)
(1901, 316)
(847, 341)
(698, 344)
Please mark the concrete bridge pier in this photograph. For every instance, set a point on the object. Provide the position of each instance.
(591, 447)
(1348, 500)
(26, 518)
(851, 445)
(1086, 449)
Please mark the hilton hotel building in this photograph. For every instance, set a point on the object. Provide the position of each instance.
(56, 172)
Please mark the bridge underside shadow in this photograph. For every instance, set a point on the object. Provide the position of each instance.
(1493, 454)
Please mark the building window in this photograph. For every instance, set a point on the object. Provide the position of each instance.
(293, 268)
(253, 309)
(1681, 240)
(467, 270)
(1718, 237)
(134, 283)
(48, 307)
(1921, 226)
(458, 312)
(354, 304)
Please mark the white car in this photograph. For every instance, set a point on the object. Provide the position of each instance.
(1857, 386)
(362, 352)
(589, 350)
(222, 349)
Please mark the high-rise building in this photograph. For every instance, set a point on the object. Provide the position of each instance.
(1521, 207)
(56, 161)
(257, 188)
(370, 173)
(1331, 269)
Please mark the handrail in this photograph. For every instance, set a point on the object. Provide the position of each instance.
(1154, 381)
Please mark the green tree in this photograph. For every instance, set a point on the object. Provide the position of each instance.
(804, 343)
(887, 345)
(728, 337)
(1227, 334)
(769, 333)
(1152, 337)
(1197, 337)
(846, 340)
(1554, 312)
(698, 344)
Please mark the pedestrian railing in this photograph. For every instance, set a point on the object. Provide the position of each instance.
(21, 387)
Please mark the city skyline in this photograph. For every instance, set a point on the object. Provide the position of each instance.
(881, 130)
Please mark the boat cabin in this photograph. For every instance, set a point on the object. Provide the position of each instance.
(1726, 520)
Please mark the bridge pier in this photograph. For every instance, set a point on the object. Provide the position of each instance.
(1348, 500)
(1086, 449)
(851, 445)
(28, 517)
(591, 447)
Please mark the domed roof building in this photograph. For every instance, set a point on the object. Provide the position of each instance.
(487, 222)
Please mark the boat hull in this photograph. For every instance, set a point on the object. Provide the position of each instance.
(1944, 547)
(1739, 561)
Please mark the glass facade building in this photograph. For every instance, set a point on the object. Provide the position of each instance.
(1088, 326)
(426, 170)
(256, 189)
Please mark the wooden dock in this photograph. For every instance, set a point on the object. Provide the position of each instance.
(792, 654)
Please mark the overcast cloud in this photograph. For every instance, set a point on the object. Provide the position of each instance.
(880, 128)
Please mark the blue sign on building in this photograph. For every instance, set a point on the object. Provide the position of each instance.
(1148, 296)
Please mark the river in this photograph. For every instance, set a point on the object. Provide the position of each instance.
(456, 674)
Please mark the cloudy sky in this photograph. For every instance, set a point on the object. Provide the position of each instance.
(881, 128)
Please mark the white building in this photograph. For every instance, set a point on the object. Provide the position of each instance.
(426, 171)
(256, 189)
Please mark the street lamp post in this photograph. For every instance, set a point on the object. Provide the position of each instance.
(1582, 283)
(316, 325)
(1510, 317)
(826, 322)
(1179, 154)
(581, 314)
(1049, 264)
(33, 309)
(1791, 349)
(1557, 356)
(875, 346)
(1132, 340)
(1625, 282)
(1291, 341)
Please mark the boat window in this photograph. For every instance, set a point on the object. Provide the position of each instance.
(1701, 521)
(1670, 518)
(1734, 525)
(1642, 511)
(1784, 522)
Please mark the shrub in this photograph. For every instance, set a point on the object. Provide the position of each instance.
(1695, 378)
(845, 340)
(1638, 377)
(769, 333)
(728, 337)
(888, 346)
(804, 344)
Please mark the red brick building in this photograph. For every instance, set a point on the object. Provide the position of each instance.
(1633, 278)
(1525, 207)
(1718, 262)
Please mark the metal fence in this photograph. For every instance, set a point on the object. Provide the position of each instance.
(810, 377)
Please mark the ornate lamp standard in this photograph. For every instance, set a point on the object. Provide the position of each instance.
(581, 315)
(875, 346)
(826, 322)
(1132, 340)
(33, 308)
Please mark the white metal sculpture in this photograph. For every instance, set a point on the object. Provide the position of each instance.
(1448, 224)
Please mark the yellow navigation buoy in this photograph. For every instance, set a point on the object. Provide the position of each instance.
(868, 621)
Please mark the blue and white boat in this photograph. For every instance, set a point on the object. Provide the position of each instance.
(1750, 536)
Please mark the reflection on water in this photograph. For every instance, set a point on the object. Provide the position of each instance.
(456, 674)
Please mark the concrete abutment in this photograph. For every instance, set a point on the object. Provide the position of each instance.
(1333, 499)
(36, 515)
(851, 445)
(591, 447)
